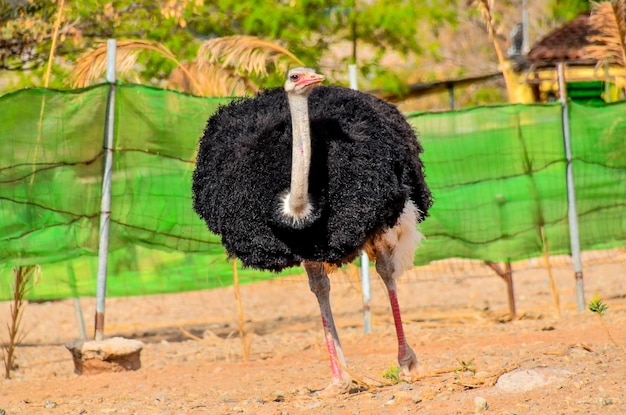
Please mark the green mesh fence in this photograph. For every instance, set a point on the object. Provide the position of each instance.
(497, 175)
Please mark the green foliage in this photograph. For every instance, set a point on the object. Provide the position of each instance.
(393, 374)
(597, 306)
(332, 32)
(482, 95)
(565, 10)
(308, 28)
(465, 366)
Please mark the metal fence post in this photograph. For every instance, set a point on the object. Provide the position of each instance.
(571, 195)
(365, 270)
(105, 204)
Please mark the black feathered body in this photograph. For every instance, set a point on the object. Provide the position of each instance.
(364, 167)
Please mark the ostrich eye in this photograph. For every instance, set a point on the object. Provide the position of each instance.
(294, 77)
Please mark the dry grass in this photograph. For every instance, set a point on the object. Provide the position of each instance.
(91, 65)
(24, 275)
(211, 80)
(222, 67)
(608, 20)
(245, 54)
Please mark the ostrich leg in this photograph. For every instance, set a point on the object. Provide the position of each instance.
(406, 355)
(320, 286)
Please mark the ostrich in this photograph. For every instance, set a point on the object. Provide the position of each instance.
(312, 175)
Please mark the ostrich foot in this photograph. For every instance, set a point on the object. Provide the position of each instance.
(408, 364)
(336, 387)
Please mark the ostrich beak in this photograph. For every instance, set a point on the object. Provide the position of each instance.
(310, 79)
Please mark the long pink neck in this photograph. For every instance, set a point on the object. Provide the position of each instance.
(298, 204)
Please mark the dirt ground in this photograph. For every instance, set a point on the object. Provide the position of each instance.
(473, 357)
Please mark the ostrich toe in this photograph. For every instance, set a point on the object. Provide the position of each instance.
(408, 363)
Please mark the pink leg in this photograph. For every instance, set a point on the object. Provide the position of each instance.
(320, 286)
(406, 355)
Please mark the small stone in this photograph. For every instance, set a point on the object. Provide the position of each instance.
(254, 401)
(49, 404)
(406, 387)
(605, 401)
(161, 397)
(313, 405)
(480, 404)
(523, 380)
(303, 391)
(577, 352)
(406, 395)
(391, 400)
(279, 396)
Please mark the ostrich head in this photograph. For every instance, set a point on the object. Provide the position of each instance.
(302, 80)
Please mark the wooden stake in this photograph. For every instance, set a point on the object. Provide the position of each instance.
(546, 261)
(507, 276)
(240, 317)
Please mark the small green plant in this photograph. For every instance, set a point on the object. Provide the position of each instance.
(599, 308)
(465, 366)
(393, 374)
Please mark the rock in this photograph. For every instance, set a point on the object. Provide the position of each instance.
(576, 352)
(116, 354)
(522, 380)
(49, 404)
(605, 401)
(480, 405)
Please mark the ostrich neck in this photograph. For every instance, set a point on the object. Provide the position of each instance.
(300, 154)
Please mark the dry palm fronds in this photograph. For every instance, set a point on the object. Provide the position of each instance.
(608, 21)
(223, 65)
(91, 65)
(244, 54)
(211, 81)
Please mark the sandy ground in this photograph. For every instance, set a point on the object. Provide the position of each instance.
(472, 354)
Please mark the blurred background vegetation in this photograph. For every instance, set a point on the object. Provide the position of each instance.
(394, 42)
